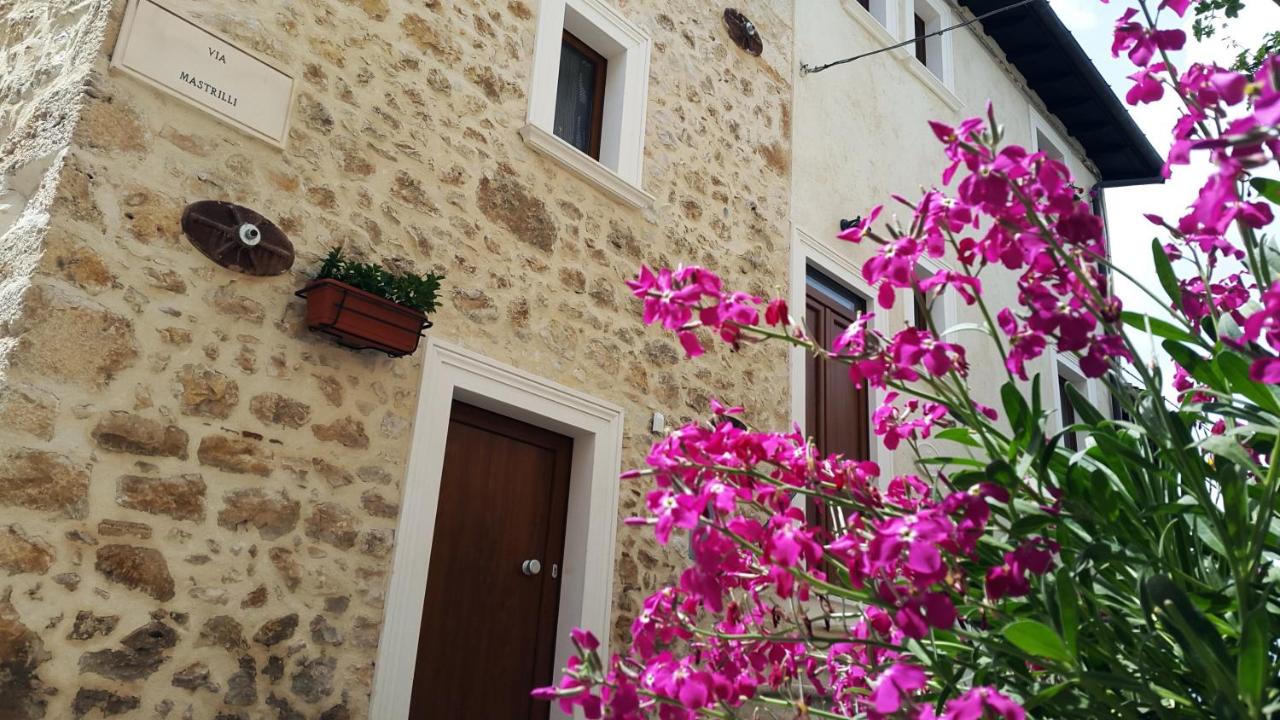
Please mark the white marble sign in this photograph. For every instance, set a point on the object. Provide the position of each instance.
(178, 56)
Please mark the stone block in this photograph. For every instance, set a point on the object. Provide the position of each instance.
(44, 481)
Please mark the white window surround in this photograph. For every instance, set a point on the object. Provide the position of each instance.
(878, 21)
(808, 252)
(452, 372)
(1093, 390)
(939, 76)
(882, 14)
(945, 302)
(626, 47)
(938, 49)
(1042, 131)
(893, 12)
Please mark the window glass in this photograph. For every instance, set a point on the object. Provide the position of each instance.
(579, 96)
(922, 52)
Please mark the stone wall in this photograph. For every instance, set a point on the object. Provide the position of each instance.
(198, 498)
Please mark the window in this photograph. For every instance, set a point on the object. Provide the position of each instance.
(930, 16)
(884, 11)
(1069, 377)
(922, 49)
(920, 318)
(1047, 146)
(587, 95)
(923, 314)
(580, 95)
(1068, 412)
(836, 412)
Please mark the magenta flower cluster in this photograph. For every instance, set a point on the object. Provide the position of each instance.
(738, 494)
(1235, 120)
(812, 578)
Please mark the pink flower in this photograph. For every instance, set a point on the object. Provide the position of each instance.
(572, 692)
(1147, 88)
(983, 703)
(776, 313)
(673, 511)
(896, 424)
(1266, 370)
(1143, 42)
(895, 685)
(893, 267)
(859, 230)
(1010, 579)
(584, 639)
(967, 286)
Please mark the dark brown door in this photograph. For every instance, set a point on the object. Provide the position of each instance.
(836, 414)
(488, 627)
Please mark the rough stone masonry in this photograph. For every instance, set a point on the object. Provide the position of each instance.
(199, 498)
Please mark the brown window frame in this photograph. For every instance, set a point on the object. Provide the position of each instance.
(597, 99)
(922, 50)
(920, 319)
(1068, 412)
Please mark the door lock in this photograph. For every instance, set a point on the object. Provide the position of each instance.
(531, 567)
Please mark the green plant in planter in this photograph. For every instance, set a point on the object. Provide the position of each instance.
(419, 292)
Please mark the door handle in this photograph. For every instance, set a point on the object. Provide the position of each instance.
(531, 567)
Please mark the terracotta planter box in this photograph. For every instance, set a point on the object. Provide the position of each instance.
(362, 320)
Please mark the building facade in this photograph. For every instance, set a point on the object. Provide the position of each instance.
(209, 511)
(860, 136)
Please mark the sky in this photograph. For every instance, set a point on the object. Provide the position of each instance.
(1091, 22)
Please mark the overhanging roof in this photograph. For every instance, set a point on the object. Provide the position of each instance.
(1036, 42)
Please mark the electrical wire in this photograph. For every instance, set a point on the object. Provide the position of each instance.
(806, 69)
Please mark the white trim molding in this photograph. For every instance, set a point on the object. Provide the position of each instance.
(950, 311)
(588, 169)
(626, 47)
(807, 251)
(1093, 389)
(882, 15)
(940, 74)
(450, 373)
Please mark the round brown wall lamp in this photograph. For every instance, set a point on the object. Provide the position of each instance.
(743, 32)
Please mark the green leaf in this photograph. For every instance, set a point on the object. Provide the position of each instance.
(1156, 326)
(1164, 271)
(1267, 188)
(1015, 409)
(1201, 643)
(1236, 371)
(1038, 639)
(1084, 409)
(1068, 608)
(1030, 524)
(1229, 448)
(1253, 668)
(961, 435)
(1200, 368)
(1001, 473)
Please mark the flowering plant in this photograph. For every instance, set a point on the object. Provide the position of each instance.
(1138, 576)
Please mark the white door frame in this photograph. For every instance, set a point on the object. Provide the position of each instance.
(451, 372)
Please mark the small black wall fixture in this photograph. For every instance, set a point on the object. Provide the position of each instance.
(846, 224)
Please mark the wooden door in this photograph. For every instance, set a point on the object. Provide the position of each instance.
(836, 412)
(489, 629)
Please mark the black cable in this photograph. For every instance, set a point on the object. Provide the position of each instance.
(806, 69)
